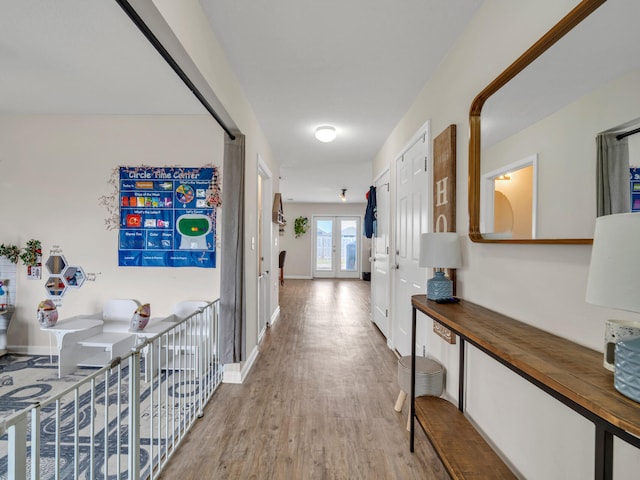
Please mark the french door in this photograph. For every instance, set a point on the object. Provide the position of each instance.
(336, 247)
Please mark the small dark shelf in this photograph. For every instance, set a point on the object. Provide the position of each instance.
(277, 211)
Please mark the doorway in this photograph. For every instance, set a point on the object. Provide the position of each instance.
(336, 246)
(265, 235)
(509, 200)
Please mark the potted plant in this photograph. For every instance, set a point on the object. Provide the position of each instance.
(32, 253)
(301, 226)
(10, 252)
(30, 256)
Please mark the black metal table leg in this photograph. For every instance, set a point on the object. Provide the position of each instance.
(604, 454)
(413, 378)
(461, 376)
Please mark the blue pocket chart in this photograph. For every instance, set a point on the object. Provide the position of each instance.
(168, 217)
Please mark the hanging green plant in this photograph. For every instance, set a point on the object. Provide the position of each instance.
(301, 226)
(10, 252)
(32, 253)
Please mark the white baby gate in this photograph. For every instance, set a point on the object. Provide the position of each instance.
(125, 420)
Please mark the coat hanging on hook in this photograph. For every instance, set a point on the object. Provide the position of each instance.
(370, 214)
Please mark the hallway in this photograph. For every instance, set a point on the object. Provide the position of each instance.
(318, 404)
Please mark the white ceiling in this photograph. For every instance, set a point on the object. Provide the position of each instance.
(356, 64)
(79, 57)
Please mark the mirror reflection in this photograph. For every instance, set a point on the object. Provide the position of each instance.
(553, 110)
(616, 164)
(509, 195)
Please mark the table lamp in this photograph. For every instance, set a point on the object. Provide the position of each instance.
(439, 250)
(614, 281)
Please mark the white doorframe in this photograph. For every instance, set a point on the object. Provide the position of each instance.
(265, 282)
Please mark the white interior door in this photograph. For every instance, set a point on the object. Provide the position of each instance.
(412, 218)
(337, 245)
(380, 279)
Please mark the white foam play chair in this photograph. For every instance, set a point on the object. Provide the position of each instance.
(117, 314)
(188, 307)
(115, 339)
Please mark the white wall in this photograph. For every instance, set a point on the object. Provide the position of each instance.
(300, 250)
(188, 22)
(54, 169)
(543, 285)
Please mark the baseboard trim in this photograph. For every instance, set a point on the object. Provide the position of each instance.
(31, 350)
(298, 277)
(237, 372)
(275, 316)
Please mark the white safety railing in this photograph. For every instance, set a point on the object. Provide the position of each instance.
(124, 420)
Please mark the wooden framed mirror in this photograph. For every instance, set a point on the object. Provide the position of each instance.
(511, 121)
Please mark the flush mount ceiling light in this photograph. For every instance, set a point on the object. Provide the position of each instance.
(326, 133)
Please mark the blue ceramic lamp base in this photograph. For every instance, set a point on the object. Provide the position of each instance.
(439, 286)
(627, 368)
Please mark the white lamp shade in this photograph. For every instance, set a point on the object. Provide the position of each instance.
(440, 250)
(614, 272)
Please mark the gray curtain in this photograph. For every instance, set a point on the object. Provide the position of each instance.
(612, 175)
(232, 284)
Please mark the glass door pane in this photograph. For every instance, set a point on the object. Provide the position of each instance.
(348, 245)
(324, 245)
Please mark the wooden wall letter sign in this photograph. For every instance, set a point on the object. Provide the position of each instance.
(444, 181)
(444, 186)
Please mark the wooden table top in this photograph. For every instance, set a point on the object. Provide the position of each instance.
(574, 371)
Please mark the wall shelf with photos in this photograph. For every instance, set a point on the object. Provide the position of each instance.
(277, 212)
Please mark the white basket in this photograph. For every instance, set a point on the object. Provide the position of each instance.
(429, 376)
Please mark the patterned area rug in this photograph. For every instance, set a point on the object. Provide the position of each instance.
(26, 380)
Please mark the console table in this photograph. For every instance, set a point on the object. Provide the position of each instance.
(570, 373)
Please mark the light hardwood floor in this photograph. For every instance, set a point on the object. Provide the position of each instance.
(318, 404)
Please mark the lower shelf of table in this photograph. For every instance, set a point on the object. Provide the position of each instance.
(462, 450)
